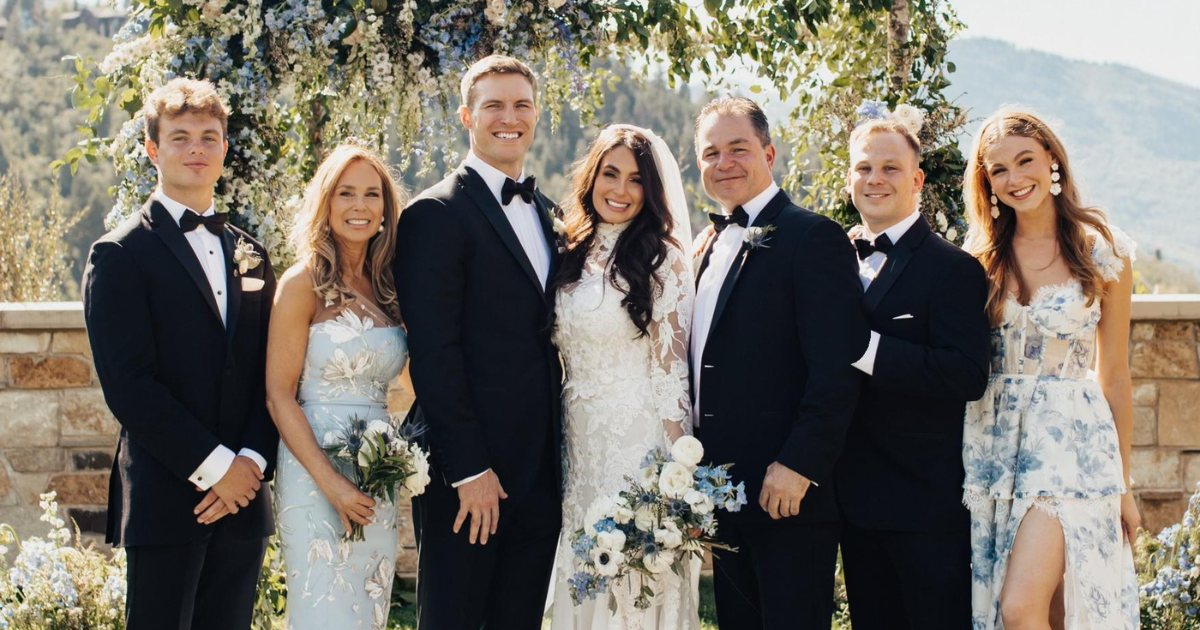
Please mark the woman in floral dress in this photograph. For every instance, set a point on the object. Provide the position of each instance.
(1047, 448)
(335, 344)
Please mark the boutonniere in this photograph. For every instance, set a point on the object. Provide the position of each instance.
(245, 257)
(560, 234)
(757, 237)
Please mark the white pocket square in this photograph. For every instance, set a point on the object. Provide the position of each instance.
(252, 284)
(904, 316)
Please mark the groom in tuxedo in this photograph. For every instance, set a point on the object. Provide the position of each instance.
(474, 254)
(906, 539)
(176, 303)
(777, 325)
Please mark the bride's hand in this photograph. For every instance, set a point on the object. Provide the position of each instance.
(1131, 519)
(349, 502)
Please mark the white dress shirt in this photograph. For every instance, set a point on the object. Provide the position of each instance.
(725, 248)
(523, 216)
(868, 268)
(207, 247)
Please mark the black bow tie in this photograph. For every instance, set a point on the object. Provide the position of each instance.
(214, 222)
(865, 248)
(722, 221)
(511, 189)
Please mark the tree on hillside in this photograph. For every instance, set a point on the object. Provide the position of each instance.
(303, 74)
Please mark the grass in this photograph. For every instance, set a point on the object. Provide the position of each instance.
(404, 609)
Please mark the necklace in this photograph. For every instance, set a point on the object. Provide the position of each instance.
(1052, 259)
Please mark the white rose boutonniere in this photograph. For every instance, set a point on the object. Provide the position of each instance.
(560, 233)
(757, 237)
(245, 257)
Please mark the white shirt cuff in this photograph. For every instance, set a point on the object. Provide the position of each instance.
(213, 468)
(469, 479)
(867, 362)
(258, 459)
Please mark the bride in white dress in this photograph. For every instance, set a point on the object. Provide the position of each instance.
(622, 316)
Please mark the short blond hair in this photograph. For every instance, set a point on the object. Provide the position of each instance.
(887, 125)
(494, 64)
(181, 96)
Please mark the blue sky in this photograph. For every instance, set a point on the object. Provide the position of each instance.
(1161, 37)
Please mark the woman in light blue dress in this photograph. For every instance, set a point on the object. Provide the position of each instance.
(1046, 449)
(335, 345)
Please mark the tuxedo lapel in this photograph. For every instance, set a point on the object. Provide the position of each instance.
(477, 190)
(764, 218)
(543, 209)
(893, 266)
(233, 283)
(168, 230)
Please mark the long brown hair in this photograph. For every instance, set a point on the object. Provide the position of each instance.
(991, 240)
(642, 247)
(313, 238)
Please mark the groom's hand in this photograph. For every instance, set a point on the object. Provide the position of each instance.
(783, 490)
(210, 509)
(240, 484)
(480, 499)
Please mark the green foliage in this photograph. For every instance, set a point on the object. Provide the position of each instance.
(34, 266)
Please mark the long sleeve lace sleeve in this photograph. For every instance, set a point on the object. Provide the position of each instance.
(669, 329)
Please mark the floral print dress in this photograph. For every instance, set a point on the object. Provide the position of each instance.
(354, 352)
(1043, 437)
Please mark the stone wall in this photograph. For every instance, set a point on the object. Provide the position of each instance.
(57, 434)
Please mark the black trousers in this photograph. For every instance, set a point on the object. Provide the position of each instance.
(501, 585)
(782, 575)
(907, 580)
(209, 585)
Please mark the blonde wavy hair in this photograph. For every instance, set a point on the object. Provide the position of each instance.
(990, 240)
(313, 239)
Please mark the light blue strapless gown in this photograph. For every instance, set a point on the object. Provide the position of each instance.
(332, 584)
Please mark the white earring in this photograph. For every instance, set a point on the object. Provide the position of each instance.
(1055, 188)
(995, 207)
(381, 227)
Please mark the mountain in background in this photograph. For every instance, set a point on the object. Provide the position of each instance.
(1133, 138)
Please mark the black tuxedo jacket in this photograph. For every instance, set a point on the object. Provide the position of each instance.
(777, 384)
(486, 375)
(178, 381)
(902, 466)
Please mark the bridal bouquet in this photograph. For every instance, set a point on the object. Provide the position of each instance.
(658, 522)
(380, 456)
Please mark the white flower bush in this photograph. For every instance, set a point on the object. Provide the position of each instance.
(53, 585)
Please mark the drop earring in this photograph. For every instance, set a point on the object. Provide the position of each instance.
(995, 207)
(1055, 176)
(381, 227)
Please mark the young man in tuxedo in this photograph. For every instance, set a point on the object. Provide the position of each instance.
(473, 257)
(176, 303)
(906, 539)
(777, 324)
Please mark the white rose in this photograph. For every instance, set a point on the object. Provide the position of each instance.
(675, 479)
(659, 562)
(700, 503)
(376, 427)
(648, 478)
(608, 563)
(643, 519)
(669, 536)
(687, 450)
(416, 482)
(910, 117)
(622, 515)
(613, 541)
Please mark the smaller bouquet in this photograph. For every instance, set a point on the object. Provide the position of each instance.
(661, 519)
(380, 456)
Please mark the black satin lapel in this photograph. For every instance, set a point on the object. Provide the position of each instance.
(478, 191)
(893, 266)
(708, 247)
(233, 284)
(727, 288)
(767, 215)
(543, 210)
(168, 230)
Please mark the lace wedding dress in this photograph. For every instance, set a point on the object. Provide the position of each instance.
(622, 396)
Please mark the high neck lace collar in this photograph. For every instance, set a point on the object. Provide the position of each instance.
(608, 233)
